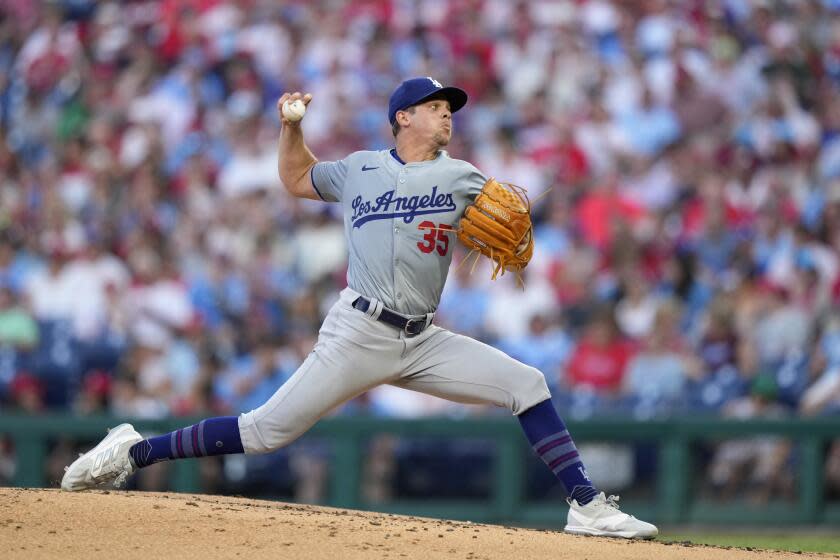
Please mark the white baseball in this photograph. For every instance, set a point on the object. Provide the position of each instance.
(294, 111)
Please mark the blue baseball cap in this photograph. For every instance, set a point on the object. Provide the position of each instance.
(414, 91)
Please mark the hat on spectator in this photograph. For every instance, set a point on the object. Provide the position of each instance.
(416, 90)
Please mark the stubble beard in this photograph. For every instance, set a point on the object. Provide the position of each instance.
(441, 139)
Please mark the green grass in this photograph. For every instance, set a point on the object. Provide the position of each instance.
(790, 542)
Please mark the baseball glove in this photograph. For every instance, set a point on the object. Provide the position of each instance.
(498, 225)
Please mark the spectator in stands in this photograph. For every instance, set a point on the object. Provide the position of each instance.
(464, 302)
(18, 328)
(600, 357)
(719, 340)
(782, 326)
(823, 396)
(657, 374)
(636, 312)
(252, 377)
(50, 292)
(546, 346)
(754, 467)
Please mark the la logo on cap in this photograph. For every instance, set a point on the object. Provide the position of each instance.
(436, 83)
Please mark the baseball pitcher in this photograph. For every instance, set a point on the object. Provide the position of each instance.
(404, 209)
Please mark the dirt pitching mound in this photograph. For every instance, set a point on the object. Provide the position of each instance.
(116, 524)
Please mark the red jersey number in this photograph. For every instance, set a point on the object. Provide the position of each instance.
(436, 238)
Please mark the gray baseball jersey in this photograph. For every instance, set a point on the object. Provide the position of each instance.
(395, 221)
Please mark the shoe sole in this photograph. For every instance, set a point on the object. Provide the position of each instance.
(587, 531)
(113, 433)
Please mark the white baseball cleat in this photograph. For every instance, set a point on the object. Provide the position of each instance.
(601, 517)
(105, 463)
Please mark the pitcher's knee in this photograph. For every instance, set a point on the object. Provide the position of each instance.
(531, 389)
(261, 435)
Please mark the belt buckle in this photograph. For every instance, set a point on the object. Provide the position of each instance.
(414, 326)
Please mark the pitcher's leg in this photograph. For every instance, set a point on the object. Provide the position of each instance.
(552, 442)
(459, 368)
(212, 436)
(309, 394)
(313, 391)
(462, 369)
(354, 354)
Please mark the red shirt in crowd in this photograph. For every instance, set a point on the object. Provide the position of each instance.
(598, 212)
(599, 366)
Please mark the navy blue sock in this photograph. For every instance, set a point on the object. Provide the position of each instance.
(214, 436)
(552, 442)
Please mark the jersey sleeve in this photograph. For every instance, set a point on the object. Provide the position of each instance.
(328, 179)
(474, 181)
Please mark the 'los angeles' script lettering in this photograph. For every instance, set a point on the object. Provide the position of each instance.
(387, 206)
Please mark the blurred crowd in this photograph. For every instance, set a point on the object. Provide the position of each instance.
(683, 156)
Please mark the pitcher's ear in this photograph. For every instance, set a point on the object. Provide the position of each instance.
(402, 118)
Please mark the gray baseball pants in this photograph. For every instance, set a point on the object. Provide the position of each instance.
(355, 353)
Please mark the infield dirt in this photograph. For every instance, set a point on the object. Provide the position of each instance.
(117, 524)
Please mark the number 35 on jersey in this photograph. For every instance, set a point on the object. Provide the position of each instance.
(436, 237)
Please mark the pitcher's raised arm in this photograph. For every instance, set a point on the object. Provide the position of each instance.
(294, 158)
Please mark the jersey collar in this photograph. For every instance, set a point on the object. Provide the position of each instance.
(396, 156)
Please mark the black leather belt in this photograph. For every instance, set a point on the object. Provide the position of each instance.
(411, 326)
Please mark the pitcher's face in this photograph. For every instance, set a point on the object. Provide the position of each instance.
(432, 120)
